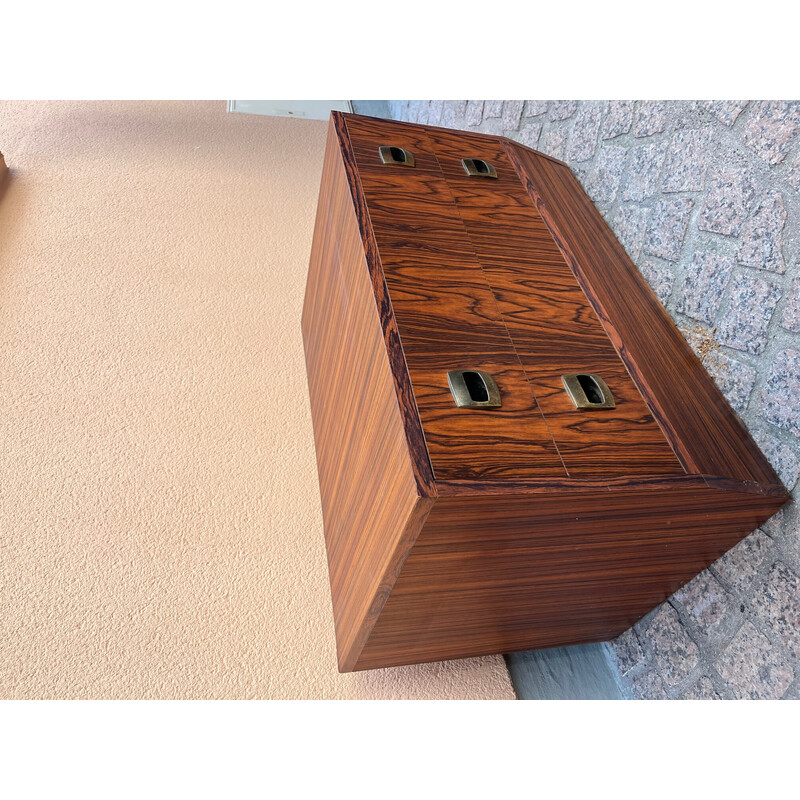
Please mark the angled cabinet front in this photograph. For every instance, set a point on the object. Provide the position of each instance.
(495, 473)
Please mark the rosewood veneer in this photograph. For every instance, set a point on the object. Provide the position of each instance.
(453, 530)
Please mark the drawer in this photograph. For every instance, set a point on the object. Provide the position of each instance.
(448, 319)
(553, 327)
(367, 135)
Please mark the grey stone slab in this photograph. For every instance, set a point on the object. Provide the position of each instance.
(674, 653)
(660, 279)
(618, 120)
(772, 128)
(728, 200)
(753, 668)
(474, 113)
(644, 168)
(651, 118)
(752, 303)
(702, 690)
(704, 600)
(564, 673)
(739, 566)
(791, 311)
(726, 111)
(534, 108)
(627, 651)
(777, 605)
(512, 113)
(687, 159)
(667, 228)
(584, 132)
(706, 279)
(734, 378)
(763, 236)
(562, 109)
(780, 402)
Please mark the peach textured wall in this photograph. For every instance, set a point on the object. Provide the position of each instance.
(160, 527)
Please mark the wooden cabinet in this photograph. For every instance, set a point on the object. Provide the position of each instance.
(455, 530)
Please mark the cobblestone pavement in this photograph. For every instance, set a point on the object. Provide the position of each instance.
(705, 197)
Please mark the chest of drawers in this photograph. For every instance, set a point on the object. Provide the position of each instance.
(516, 447)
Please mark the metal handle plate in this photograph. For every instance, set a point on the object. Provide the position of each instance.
(473, 388)
(396, 156)
(588, 392)
(477, 167)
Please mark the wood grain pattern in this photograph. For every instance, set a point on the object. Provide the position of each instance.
(552, 325)
(549, 571)
(454, 532)
(700, 425)
(448, 319)
(415, 439)
(371, 508)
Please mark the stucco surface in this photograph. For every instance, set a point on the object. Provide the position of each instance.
(160, 527)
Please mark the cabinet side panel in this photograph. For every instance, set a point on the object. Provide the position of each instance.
(370, 506)
(692, 412)
(497, 574)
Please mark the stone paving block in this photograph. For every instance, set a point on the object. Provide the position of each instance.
(435, 112)
(533, 108)
(706, 279)
(474, 112)
(702, 690)
(651, 117)
(726, 111)
(619, 119)
(744, 325)
(529, 134)
(492, 109)
(562, 109)
(704, 599)
(604, 177)
(585, 132)
(554, 143)
(739, 566)
(674, 653)
(772, 128)
(512, 113)
(777, 606)
(791, 311)
(753, 668)
(627, 651)
(667, 228)
(643, 170)
(763, 236)
(660, 279)
(629, 225)
(648, 686)
(780, 400)
(793, 175)
(784, 459)
(734, 379)
(728, 200)
(453, 113)
(687, 160)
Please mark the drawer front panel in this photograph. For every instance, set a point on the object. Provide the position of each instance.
(553, 327)
(448, 319)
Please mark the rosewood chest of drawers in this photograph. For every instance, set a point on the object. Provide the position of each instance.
(516, 447)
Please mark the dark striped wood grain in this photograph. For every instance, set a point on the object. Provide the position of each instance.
(552, 325)
(702, 428)
(491, 575)
(371, 508)
(455, 532)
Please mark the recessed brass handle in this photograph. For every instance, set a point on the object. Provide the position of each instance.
(396, 155)
(588, 392)
(479, 168)
(473, 388)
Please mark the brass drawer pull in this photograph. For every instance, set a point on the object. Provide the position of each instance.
(396, 156)
(588, 392)
(473, 388)
(477, 167)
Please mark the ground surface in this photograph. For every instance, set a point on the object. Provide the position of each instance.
(705, 196)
